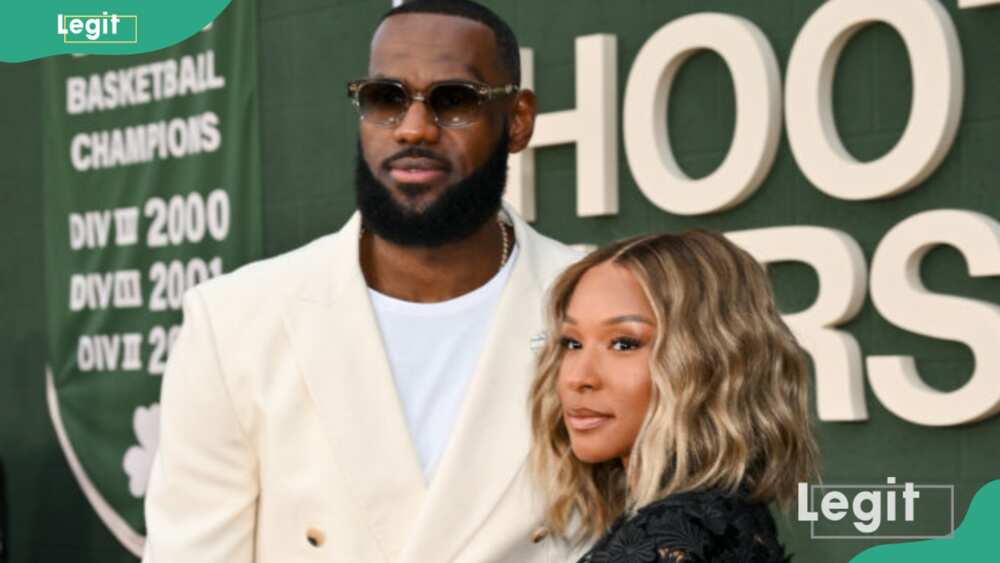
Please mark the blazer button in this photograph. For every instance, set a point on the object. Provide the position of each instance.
(315, 537)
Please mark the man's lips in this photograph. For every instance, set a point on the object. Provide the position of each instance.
(585, 419)
(416, 175)
(409, 170)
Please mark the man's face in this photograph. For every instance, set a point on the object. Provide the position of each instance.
(419, 50)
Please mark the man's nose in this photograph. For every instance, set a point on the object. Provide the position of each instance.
(418, 126)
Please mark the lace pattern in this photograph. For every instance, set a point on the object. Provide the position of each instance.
(692, 527)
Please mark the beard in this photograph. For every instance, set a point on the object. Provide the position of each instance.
(459, 211)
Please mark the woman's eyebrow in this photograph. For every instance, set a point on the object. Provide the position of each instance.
(616, 320)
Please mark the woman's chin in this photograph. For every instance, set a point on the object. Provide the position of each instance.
(590, 455)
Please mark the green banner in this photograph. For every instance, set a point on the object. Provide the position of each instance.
(151, 186)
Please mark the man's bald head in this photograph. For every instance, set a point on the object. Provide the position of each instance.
(508, 55)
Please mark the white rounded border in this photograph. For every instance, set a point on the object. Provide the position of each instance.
(120, 529)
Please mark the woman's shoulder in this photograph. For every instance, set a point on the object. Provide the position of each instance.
(691, 527)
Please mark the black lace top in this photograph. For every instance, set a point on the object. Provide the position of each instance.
(692, 527)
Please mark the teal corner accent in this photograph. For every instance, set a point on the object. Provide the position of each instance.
(33, 30)
(974, 540)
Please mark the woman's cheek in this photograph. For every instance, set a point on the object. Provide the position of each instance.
(636, 398)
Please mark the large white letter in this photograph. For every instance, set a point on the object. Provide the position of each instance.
(757, 84)
(840, 267)
(965, 4)
(593, 126)
(936, 67)
(76, 95)
(902, 299)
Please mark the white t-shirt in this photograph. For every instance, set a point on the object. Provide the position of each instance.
(433, 350)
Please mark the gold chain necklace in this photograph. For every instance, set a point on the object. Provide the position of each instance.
(504, 253)
(503, 234)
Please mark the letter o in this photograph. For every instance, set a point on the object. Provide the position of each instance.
(936, 67)
(757, 84)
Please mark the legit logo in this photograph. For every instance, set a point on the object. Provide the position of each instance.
(868, 507)
(105, 28)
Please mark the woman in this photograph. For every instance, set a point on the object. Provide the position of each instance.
(670, 404)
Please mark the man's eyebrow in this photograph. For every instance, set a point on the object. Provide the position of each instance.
(472, 70)
(616, 320)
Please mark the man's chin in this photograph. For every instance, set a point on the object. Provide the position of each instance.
(415, 190)
(415, 198)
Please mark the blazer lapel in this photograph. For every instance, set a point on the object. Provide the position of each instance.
(491, 438)
(338, 347)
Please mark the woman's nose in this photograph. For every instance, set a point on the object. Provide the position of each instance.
(582, 372)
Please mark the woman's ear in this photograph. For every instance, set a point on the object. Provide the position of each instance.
(522, 125)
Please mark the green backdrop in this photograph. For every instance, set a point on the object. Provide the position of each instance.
(308, 49)
(194, 212)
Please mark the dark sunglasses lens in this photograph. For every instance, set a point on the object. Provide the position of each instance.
(381, 102)
(455, 104)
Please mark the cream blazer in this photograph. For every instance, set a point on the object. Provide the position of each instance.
(282, 438)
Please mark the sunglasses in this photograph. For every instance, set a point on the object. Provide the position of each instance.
(454, 103)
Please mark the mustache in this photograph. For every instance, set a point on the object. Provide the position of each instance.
(416, 152)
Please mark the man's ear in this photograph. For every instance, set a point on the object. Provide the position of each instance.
(522, 124)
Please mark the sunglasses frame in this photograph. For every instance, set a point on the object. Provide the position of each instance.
(485, 93)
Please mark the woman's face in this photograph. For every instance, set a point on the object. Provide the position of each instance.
(604, 380)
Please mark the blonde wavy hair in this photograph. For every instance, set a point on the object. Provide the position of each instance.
(728, 406)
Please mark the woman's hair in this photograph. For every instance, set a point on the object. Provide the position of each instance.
(728, 406)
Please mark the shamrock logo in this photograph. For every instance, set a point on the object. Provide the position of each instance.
(138, 460)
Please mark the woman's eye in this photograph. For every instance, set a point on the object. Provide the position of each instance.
(569, 343)
(624, 344)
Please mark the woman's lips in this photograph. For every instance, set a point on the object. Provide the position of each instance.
(586, 420)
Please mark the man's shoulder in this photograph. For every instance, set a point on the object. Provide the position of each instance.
(555, 248)
(553, 255)
(266, 279)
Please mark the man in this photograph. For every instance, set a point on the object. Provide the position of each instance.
(363, 398)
